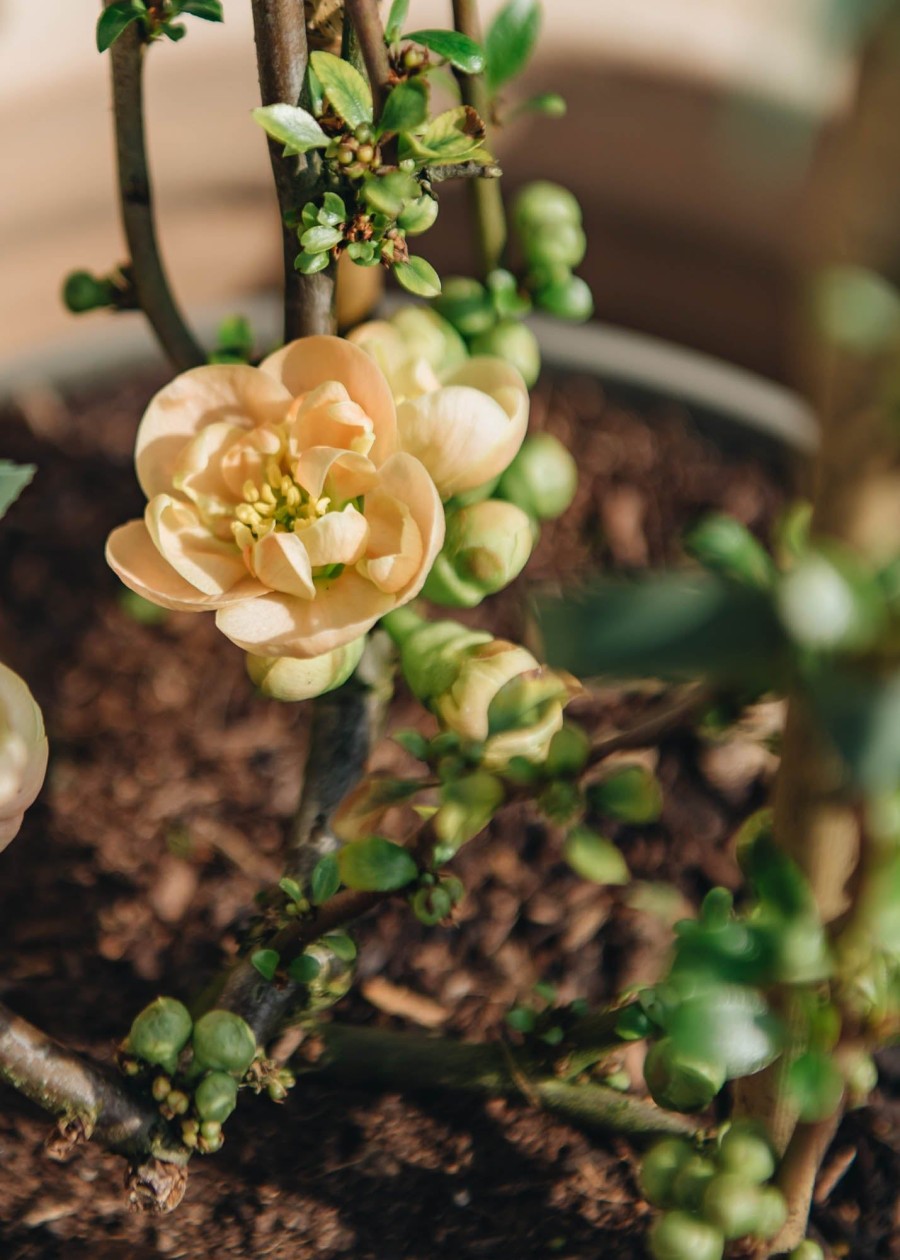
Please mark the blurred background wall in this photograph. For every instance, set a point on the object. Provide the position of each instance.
(690, 140)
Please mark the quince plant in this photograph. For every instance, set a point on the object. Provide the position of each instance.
(315, 497)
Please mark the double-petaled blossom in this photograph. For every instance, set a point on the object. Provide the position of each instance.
(23, 752)
(295, 499)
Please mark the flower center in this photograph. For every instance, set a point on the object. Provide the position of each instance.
(278, 504)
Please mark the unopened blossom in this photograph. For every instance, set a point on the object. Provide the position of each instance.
(464, 418)
(23, 752)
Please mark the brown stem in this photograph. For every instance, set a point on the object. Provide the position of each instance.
(670, 716)
(77, 1090)
(136, 205)
(281, 58)
(374, 1057)
(487, 200)
(370, 34)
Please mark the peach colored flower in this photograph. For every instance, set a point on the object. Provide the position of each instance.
(279, 496)
(23, 752)
(464, 421)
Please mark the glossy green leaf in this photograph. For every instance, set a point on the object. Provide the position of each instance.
(461, 51)
(456, 135)
(344, 88)
(316, 240)
(115, 19)
(725, 546)
(341, 945)
(376, 865)
(291, 126)
(13, 480)
(815, 1086)
(333, 211)
(595, 858)
(729, 1024)
(210, 10)
(308, 264)
(671, 625)
(387, 194)
(510, 41)
(305, 969)
(630, 794)
(174, 31)
(405, 108)
(291, 888)
(266, 962)
(396, 19)
(419, 277)
(325, 879)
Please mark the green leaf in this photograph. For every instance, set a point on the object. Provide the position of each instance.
(510, 41)
(521, 1019)
(341, 945)
(396, 18)
(419, 277)
(266, 962)
(725, 546)
(630, 794)
(303, 970)
(333, 211)
(671, 625)
(13, 480)
(856, 309)
(309, 264)
(174, 31)
(456, 135)
(325, 879)
(729, 1024)
(815, 1085)
(115, 19)
(376, 865)
(595, 858)
(317, 239)
(405, 108)
(291, 126)
(387, 194)
(344, 88)
(551, 104)
(461, 51)
(210, 10)
(291, 888)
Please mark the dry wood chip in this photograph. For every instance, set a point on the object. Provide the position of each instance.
(395, 999)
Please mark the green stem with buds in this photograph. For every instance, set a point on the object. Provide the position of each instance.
(487, 200)
(281, 57)
(136, 205)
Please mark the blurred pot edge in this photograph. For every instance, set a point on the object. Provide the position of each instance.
(618, 357)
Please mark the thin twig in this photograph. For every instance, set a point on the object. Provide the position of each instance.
(136, 205)
(370, 34)
(463, 170)
(281, 58)
(649, 730)
(487, 200)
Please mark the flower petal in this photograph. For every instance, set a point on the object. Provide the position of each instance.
(23, 752)
(327, 416)
(209, 564)
(303, 365)
(336, 537)
(469, 430)
(394, 548)
(235, 394)
(133, 557)
(281, 563)
(277, 625)
(408, 480)
(346, 474)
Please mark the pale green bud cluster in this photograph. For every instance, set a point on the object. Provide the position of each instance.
(542, 478)
(488, 316)
(488, 691)
(487, 545)
(289, 678)
(548, 220)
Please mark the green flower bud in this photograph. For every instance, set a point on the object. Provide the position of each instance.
(861, 1076)
(732, 1205)
(630, 794)
(216, 1097)
(418, 216)
(808, 1250)
(559, 245)
(430, 905)
(161, 1088)
(514, 342)
(680, 1236)
(178, 1102)
(659, 1168)
(287, 678)
(691, 1181)
(772, 1213)
(680, 1082)
(828, 602)
(363, 133)
(487, 545)
(744, 1150)
(84, 292)
(364, 154)
(160, 1032)
(430, 337)
(431, 652)
(594, 857)
(211, 1130)
(541, 204)
(566, 297)
(224, 1042)
(467, 305)
(542, 478)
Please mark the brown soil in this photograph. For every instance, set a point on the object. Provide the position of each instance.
(170, 789)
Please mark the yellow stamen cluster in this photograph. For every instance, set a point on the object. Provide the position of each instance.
(278, 504)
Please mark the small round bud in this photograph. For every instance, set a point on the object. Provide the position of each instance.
(680, 1236)
(772, 1212)
(364, 134)
(365, 153)
(210, 1129)
(209, 1145)
(659, 1168)
(276, 1091)
(569, 298)
(413, 58)
(216, 1097)
(160, 1032)
(807, 1250)
(178, 1102)
(542, 204)
(160, 1088)
(290, 679)
(732, 1205)
(678, 1082)
(515, 343)
(189, 1135)
(84, 292)
(223, 1041)
(345, 155)
(466, 305)
(745, 1151)
(561, 245)
(542, 478)
(691, 1181)
(487, 545)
